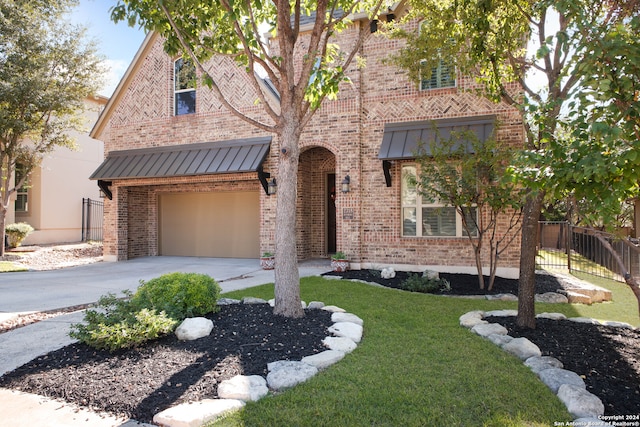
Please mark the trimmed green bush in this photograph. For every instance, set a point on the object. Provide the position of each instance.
(17, 232)
(427, 285)
(180, 295)
(115, 325)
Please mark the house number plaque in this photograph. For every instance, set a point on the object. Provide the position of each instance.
(347, 213)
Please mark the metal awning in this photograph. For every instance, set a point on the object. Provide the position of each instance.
(401, 140)
(241, 155)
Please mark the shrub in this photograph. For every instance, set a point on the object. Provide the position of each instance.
(418, 283)
(180, 295)
(116, 325)
(17, 232)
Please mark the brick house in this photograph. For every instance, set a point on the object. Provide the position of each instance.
(196, 184)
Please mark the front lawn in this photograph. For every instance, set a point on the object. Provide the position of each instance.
(415, 367)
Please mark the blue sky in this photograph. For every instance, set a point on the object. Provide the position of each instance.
(118, 43)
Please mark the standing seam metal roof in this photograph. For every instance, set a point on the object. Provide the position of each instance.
(242, 155)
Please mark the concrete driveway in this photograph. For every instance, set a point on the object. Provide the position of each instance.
(47, 290)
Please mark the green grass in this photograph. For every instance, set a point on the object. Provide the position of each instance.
(415, 367)
(10, 267)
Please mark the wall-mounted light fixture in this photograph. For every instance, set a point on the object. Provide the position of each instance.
(272, 187)
(346, 184)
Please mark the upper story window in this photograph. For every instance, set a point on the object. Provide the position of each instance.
(441, 76)
(184, 76)
(22, 192)
(422, 217)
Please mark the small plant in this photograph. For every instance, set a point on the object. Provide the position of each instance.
(427, 285)
(116, 325)
(339, 255)
(180, 295)
(17, 232)
(267, 261)
(267, 255)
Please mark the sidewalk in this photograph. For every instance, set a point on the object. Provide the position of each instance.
(24, 344)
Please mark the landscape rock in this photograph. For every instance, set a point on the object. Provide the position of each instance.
(501, 313)
(551, 297)
(243, 387)
(579, 402)
(315, 305)
(388, 273)
(333, 309)
(228, 301)
(346, 317)
(253, 300)
(540, 363)
(350, 330)
(502, 297)
(343, 344)
(555, 377)
(578, 298)
(484, 330)
(584, 320)
(472, 318)
(324, 359)
(522, 348)
(552, 316)
(193, 328)
(197, 413)
(499, 340)
(618, 324)
(431, 274)
(286, 373)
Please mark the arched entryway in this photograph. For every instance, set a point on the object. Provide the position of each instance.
(316, 203)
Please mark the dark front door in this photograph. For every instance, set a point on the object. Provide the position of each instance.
(331, 213)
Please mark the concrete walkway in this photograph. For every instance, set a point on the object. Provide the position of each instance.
(47, 290)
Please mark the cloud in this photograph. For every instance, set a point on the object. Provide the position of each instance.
(115, 70)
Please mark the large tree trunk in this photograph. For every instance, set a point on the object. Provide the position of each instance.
(527, 283)
(3, 216)
(287, 277)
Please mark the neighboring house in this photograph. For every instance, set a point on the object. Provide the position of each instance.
(51, 202)
(187, 178)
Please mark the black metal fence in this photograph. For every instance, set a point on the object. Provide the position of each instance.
(565, 246)
(92, 214)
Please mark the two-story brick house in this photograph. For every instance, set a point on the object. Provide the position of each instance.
(185, 177)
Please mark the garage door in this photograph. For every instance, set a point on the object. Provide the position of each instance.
(225, 224)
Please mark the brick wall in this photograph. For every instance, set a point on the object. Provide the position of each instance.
(343, 138)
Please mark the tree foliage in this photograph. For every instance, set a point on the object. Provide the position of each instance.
(470, 175)
(566, 67)
(301, 59)
(47, 69)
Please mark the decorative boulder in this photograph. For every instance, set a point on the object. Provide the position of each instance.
(346, 317)
(579, 402)
(193, 328)
(343, 344)
(350, 330)
(285, 373)
(431, 274)
(522, 348)
(555, 377)
(197, 413)
(243, 387)
(484, 330)
(472, 318)
(388, 273)
(324, 359)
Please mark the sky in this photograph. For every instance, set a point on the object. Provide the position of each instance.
(118, 43)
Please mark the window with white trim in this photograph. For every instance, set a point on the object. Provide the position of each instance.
(442, 76)
(184, 75)
(422, 217)
(22, 192)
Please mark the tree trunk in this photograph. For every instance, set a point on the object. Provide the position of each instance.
(287, 276)
(3, 216)
(527, 284)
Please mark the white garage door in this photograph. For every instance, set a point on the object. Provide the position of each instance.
(224, 224)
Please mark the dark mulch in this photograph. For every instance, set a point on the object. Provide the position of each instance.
(461, 284)
(139, 383)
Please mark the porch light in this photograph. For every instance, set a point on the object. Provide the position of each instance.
(346, 184)
(272, 187)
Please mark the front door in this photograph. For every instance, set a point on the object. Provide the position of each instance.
(331, 213)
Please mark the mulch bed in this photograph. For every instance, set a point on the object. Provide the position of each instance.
(139, 383)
